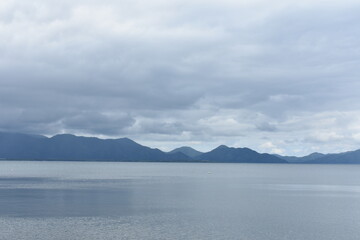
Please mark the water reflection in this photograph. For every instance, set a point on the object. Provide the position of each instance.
(179, 201)
(37, 202)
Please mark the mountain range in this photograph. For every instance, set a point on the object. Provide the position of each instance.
(67, 147)
(236, 155)
(308, 158)
(351, 157)
(188, 151)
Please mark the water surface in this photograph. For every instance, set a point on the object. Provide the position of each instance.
(92, 200)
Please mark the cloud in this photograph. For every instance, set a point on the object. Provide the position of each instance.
(98, 123)
(271, 148)
(166, 73)
(265, 126)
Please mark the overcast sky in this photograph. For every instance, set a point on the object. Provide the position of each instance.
(278, 76)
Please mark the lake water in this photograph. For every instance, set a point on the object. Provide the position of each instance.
(87, 200)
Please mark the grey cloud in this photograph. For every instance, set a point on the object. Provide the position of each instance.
(159, 127)
(205, 71)
(265, 126)
(97, 123)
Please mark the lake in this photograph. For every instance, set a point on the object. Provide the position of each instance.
(96, 200)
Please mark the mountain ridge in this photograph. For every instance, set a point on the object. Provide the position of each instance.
(189, 151)
(68, 147)
(238, 155)
(309, 157)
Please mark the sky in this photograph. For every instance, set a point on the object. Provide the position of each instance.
(278, 76)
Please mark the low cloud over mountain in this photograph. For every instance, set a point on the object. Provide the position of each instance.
(174, 73)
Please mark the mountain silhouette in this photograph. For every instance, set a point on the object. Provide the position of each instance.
(238, 155)
(67, 147)
(70, 147)
(307, 158)
(188, 151)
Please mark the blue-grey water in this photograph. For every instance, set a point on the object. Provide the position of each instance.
(92, 200)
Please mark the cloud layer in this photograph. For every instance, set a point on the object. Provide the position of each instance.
(279, 76)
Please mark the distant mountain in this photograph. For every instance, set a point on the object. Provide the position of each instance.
(238, 155)
(352, 157)
(188, 151)
(70, 147)
(293, 159)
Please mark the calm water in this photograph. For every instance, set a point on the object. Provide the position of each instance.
(81, 200)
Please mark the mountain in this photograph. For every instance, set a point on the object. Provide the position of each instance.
(238, 155)
(352, 157)
(70, 147)
(293, 159)
(188, 151)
